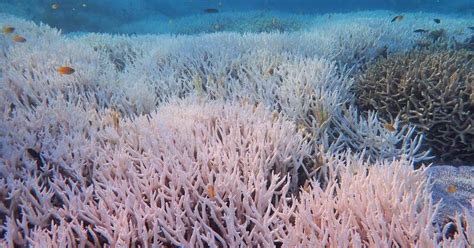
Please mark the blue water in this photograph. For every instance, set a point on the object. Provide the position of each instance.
(110, 15)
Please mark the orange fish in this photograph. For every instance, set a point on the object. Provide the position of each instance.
(65, 70)
(8, 29)
(18, 38)
(211, 191)
(307, 187)
(389, 127)
(55, 6)
(397, 18)
(451, 188)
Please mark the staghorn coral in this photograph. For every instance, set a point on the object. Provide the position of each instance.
(365, 206)
(108, 156)
(153, 177)
(236, 151)
(433, 91)
(134, 76)
(203, 174)
(367, 133)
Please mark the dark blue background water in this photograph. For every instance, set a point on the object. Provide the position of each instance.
(99, 15)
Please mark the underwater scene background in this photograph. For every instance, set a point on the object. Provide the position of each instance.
(237, 123)
(143, 16)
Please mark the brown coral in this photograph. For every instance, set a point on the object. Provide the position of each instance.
(432, 90)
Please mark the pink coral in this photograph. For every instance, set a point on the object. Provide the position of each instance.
(199, 174)
(106, 156)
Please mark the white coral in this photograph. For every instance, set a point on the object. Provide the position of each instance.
(380, 205)
(122, 162)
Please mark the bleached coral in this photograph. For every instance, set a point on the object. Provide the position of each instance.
(208, 163)
(192, 140)
(369, 134)
(204, 173)
(382, 205)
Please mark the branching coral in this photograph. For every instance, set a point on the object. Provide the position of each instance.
(202, 140)
(370, 134)
(189, 174)
(433, 91)
(215, 174)
(369, 206)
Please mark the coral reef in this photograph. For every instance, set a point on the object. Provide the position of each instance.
(432, 90)
(215, 164)
(220, 139)
(369, 201)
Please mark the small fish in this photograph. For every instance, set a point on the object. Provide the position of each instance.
(84, 5)
(471, 28)
(275, 116)
(18, 38)
(436, 20)
(211, 10)
(270, 71)
(449, 230)
(8, 29)
(55, 6)
(115, 119)
(420, 31)
(65, 70)
(389, 127)
(397, 18)
(211, 192)
(451, 188)
(307, 187)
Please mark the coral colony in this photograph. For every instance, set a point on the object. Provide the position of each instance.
(279, 139)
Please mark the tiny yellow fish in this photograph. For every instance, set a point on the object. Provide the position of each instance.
(55, 6)
(8, 29)
(115, 119)
(275, 116)
(65, 70)
(307, 187)
(389, 127)
(18, 38)
(397, 18)
(211, 191)
(451, 188)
